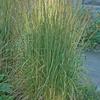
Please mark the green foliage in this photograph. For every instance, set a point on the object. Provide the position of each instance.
(2, 76)
(5, 89)
(94, 32)
(90, 92)
(4, 97)
(96, 37)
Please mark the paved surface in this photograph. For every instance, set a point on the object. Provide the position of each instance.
(93, 65)
(92, 2)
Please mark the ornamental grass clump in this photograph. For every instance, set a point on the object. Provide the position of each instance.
(47, 38)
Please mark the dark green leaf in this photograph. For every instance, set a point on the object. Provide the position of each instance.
(4, 97)
(2, 76)
(5, 87)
